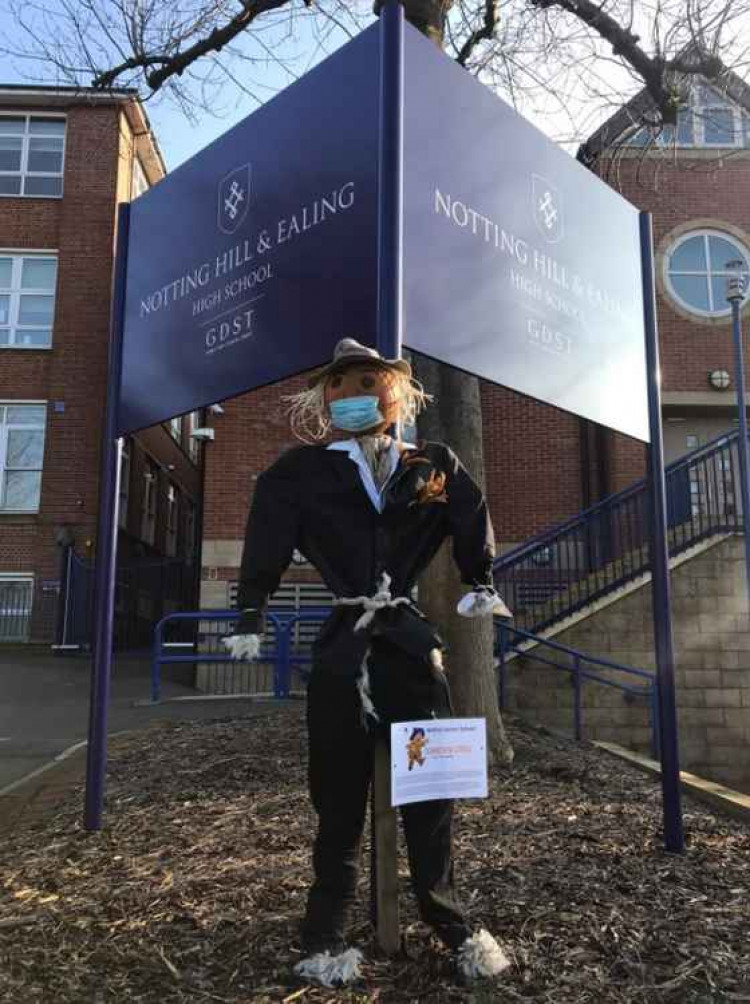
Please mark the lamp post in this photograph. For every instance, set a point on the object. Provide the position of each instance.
(736, 287)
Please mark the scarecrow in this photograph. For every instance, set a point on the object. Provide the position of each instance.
(369, 512)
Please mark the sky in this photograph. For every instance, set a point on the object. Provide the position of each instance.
(179, 137)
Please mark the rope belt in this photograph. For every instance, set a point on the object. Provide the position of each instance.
(372, 604)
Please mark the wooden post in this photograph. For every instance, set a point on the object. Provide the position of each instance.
(385, 852)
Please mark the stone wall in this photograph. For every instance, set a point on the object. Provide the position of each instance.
(712, 667)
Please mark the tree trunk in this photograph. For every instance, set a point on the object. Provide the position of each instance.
(456, 419)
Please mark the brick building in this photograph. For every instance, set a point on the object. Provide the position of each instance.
(67, 157)
(695, 180)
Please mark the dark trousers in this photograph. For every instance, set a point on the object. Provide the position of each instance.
(340, 767)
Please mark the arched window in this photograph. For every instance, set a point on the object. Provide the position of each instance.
(696, 270)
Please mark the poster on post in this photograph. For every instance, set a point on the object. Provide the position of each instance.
(438, 758)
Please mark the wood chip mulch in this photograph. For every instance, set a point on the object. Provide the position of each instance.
(193, 890)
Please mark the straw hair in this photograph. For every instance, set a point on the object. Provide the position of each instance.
(310, 419)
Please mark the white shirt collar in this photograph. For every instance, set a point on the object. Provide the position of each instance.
(354, 450)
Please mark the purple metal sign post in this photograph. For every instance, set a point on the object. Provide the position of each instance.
(389, 325)
(391, 182)
(106, 545)
(674, 839)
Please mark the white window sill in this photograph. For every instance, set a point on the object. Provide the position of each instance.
(18, 195)
(27, 348)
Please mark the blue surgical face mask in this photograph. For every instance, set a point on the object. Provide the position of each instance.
(356, 414)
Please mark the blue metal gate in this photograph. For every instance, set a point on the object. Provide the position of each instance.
(145, 591)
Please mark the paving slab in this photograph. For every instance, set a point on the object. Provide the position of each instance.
(44, 705)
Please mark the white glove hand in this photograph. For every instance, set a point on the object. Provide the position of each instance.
(242, 646)
(482, 602)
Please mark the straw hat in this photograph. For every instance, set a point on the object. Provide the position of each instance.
(350, 352)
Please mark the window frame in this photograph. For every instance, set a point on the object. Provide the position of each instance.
(701, 114)
(4, 429)
(703, 101)
(172, 495)
(139, 183)
(149, 503)
(174, 428)
(190, 526)
(24, 172)
(194, 447)
(15, 292)
(24, 618)
(124, 493)
(709, 273)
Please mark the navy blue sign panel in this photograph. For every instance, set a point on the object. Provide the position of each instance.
(520, 265)
(249, 262)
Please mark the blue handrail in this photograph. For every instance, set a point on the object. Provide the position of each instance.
(281, 653)
(576, 562)
(279, 650)
(510, 639)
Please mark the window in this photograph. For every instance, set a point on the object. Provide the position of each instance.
(148, 511)
(719, 126)
(171, 541)
(190, 529)
(32, 149)
(16, 596)
(175, 429)
(21, 454)
(716, 120)
(194, 446)
(122, 516)
(27, 300)
(139, 181)
(696, 272)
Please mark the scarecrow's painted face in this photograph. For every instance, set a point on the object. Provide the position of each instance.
(365, 380)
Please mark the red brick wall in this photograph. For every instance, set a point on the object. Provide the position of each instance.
(532, 463)
(533, 452)
(80, 227)
(681, 193)
(250, 435)
(627, 461)
(689, 194)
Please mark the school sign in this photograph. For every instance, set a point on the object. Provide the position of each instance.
(255, 257)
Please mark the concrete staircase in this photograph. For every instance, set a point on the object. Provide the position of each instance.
(711, 625)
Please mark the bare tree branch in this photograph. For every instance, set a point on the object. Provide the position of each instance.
(487, 31)
(214, 42)
(574, 60)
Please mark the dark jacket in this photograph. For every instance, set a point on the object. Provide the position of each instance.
(313, 499)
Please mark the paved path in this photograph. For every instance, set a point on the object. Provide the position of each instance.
(44, 705)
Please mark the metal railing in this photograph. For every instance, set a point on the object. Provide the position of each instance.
(509, 639)
(285, 652)
(145, 590)
(285, 648)
(598, 551)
